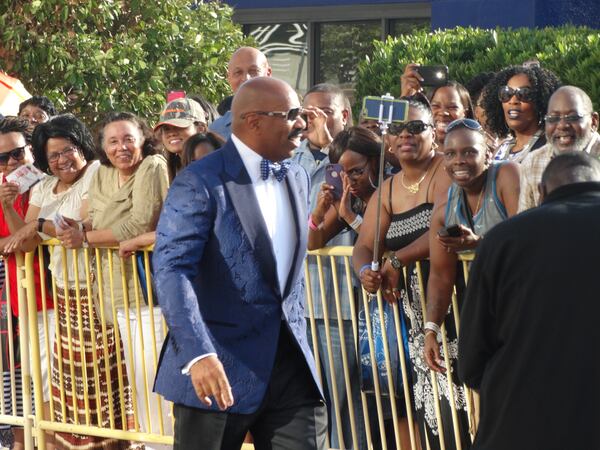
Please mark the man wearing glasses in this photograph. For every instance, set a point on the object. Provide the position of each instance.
(229, 255)
(571, 125)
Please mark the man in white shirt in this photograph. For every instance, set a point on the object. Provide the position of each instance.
(230, 245)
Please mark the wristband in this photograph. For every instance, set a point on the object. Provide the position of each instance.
(312, 225)
(356, 223)
(363, 268)
(40, 226)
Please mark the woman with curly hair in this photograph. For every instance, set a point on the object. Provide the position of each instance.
(515, 102)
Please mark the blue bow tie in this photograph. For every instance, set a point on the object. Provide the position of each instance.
(279, 170)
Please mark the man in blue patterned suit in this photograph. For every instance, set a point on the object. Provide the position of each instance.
(230, 245)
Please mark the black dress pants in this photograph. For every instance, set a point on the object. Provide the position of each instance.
(292, 414)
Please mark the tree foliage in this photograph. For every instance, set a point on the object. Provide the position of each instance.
(573, 53)
(91, 56)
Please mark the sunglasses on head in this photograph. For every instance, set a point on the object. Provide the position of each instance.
(413, 127)
(524, 94)
(16, 153)
(464, 123)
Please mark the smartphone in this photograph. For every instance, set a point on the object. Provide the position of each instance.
(451, 231)
(433, 76)
(333, 177)
(174, 95)
(381, 108)
(305, 118)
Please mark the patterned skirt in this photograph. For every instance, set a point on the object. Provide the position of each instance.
(89, 377)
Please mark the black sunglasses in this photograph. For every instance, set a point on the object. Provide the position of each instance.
(524, 94)
(16, 153)
(413, 127)
(289, 115)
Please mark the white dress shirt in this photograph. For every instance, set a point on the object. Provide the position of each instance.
(275, 207)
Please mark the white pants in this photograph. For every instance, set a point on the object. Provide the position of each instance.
(149, 404)
(45, 357)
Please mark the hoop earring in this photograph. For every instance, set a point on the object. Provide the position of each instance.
(371, 182)
(434, 146)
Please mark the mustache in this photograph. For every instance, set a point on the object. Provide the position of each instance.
(296, 132)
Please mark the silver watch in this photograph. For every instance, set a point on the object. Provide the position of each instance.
(395, 262)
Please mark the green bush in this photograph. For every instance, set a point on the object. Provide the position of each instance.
(94, 56)
(573, 53)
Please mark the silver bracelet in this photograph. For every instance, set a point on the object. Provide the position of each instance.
(356, 222)
(432, 326)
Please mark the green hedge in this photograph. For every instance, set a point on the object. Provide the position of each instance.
(573, 53)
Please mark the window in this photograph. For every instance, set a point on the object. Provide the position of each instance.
(285, 45)
(407, 26)
(341, 47)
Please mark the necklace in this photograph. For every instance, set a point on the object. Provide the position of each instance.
(478, 201)
(414, 187)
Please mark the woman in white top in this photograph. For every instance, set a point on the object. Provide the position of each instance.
(85, 365)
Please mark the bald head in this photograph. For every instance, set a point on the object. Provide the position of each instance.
(569, 168)
(261, 117)
(246, 63)
(574, 120)
(573, 93)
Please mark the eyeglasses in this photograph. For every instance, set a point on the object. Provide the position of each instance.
(356, 173)
(16, 153)
(413, 127)
(67, 152)
(290, 115)
(37, 117)
(524, 94)
(568, 118)
(464, 123)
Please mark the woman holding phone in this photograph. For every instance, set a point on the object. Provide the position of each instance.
(483, 193)
(449, 99)
(406, 209)
(349, 185)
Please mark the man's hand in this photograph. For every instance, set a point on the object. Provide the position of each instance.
(432, 353)
(209, 380)
(317, 133)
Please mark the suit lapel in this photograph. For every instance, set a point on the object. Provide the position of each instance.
(242, 195)
(298, 202)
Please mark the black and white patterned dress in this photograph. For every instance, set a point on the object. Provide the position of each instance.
(404, 229)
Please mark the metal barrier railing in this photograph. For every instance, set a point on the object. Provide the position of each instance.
(401, 409)
(106, 315)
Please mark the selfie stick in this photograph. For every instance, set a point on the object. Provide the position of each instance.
(384, 122)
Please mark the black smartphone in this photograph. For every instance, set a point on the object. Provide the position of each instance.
(451, 231)
(333, 177)
(305, 118)
(433, 76)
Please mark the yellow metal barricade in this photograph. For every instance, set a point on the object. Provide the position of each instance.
(109, 332)
(389, 417)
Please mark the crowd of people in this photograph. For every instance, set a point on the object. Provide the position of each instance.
(466, 159)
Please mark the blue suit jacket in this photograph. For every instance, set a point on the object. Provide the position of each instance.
(217, 283)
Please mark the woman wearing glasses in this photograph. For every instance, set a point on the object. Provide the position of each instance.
(483, 193)
(515, 102)
(15, 152)
(64, 147)
(408, 199)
